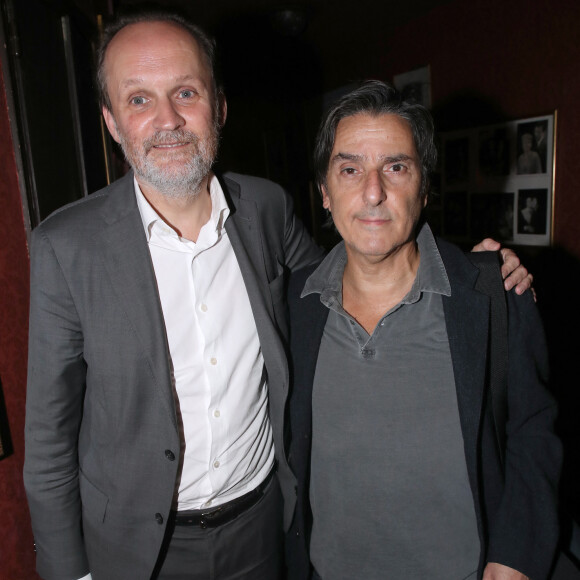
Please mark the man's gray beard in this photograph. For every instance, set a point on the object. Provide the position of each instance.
(177, 183)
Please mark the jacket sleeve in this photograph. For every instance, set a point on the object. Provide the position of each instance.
(300, 248)
(524, 531)
(56, 385)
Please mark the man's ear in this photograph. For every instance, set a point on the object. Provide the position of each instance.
(111, 125)
(222, 109)
(325, 197)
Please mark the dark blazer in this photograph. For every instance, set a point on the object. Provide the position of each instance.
(101, 429)
(516, 511)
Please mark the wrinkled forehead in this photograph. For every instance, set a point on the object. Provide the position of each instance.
(386, 132)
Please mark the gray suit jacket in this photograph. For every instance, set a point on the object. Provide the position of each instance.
(101, 425)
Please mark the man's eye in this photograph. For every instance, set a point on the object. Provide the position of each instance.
(348, 170)
(138, 100)
(397, 168)
(186, 93)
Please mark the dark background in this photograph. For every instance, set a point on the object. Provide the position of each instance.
(490, 60)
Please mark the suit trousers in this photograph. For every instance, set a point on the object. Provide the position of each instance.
(250, 547)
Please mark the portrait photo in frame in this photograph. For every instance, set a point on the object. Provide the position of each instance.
(415, 85)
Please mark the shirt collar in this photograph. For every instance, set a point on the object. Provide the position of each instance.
(219, 208)
(431, 276)
(326, 280)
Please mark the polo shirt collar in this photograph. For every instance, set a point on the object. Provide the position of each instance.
(326, 280)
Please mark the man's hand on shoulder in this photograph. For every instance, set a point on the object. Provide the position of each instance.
(495, 571)
(514, 273)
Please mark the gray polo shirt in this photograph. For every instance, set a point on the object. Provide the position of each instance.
(389, 487)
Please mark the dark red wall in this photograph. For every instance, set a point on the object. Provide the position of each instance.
(493, 60)
(16, 544)
(519, 59)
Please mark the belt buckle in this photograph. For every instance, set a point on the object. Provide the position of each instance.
(210, 514)
(207, 517)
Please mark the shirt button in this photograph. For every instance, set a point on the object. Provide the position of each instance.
(213, 360)
(204, 307)
(216, 464)
(170, 455)
(216, 413)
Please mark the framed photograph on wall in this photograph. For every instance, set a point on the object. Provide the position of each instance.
(415, 85)
(498, 181)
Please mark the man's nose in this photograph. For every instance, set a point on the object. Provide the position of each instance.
(375, 192)
(167, 117)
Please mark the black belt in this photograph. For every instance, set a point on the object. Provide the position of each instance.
(224, 513)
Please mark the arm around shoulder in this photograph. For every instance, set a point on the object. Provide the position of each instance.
(301, 250)
(281, 229)
(514, 273)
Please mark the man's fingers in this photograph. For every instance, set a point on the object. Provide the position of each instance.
(487, 245)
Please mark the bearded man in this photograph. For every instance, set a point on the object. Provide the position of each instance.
(158, 376)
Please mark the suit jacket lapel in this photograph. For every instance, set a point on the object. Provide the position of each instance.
(243, 229)
(128, 263)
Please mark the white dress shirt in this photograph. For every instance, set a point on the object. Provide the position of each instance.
(218, 370)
